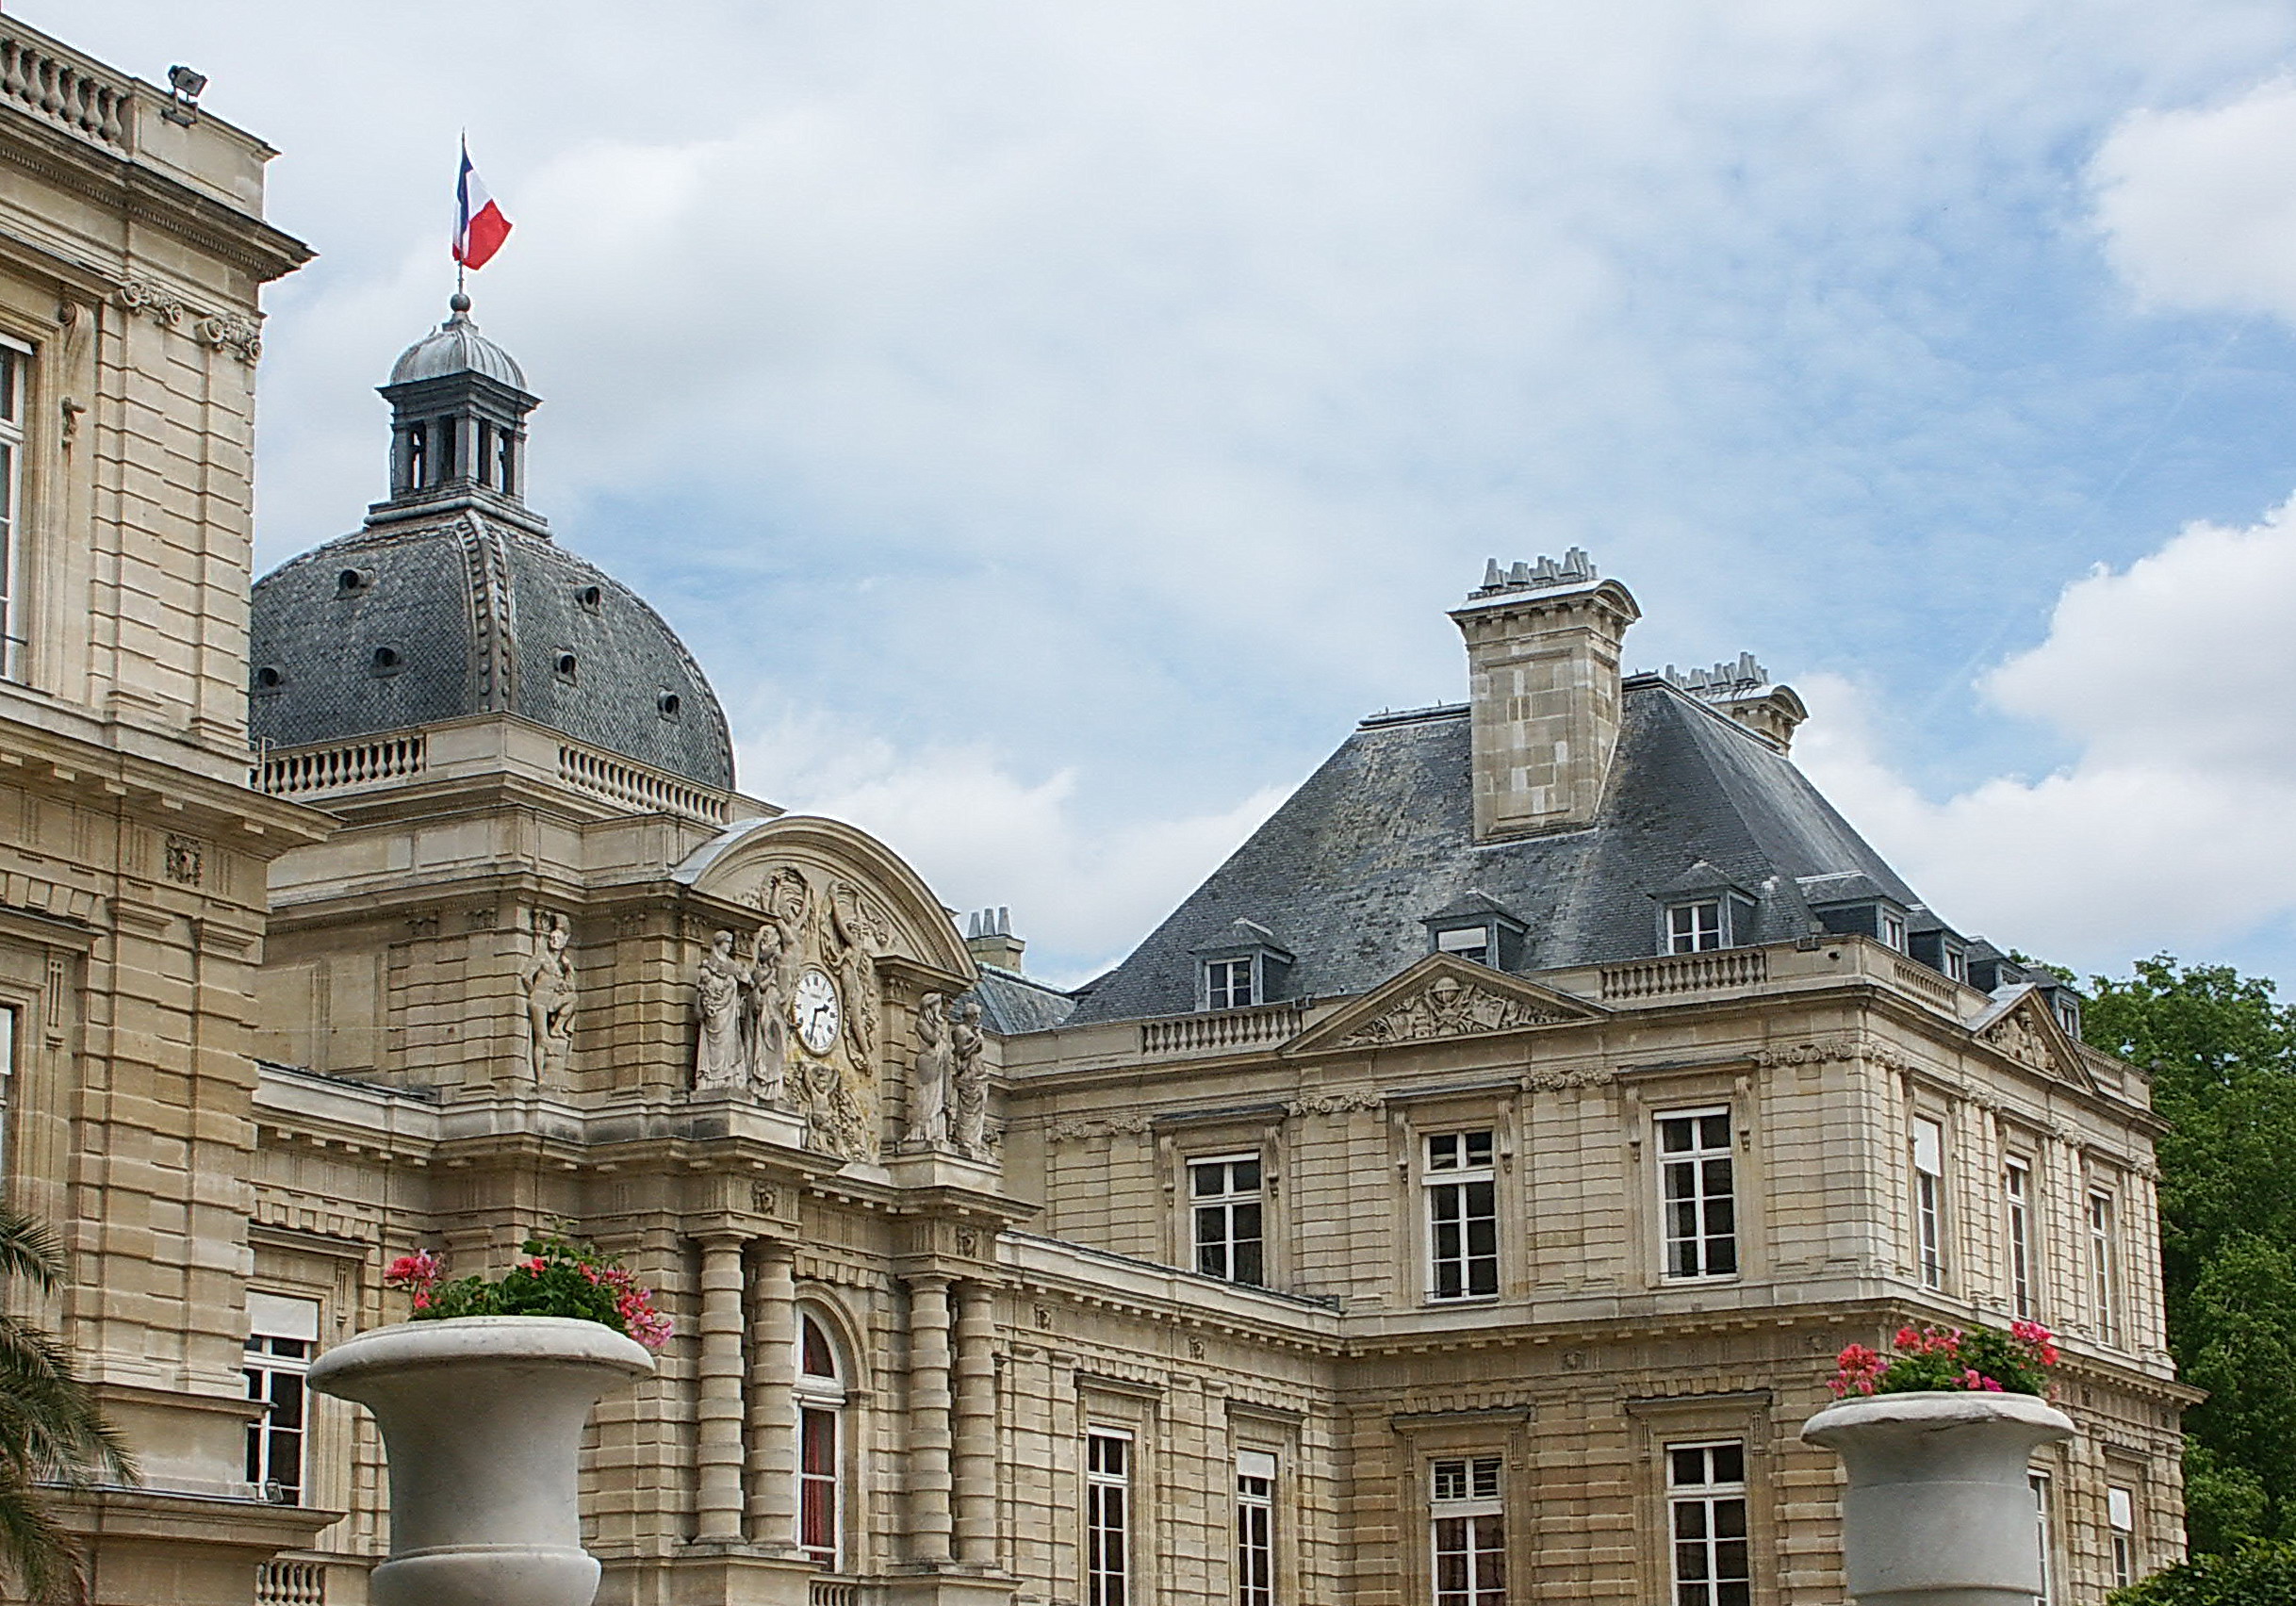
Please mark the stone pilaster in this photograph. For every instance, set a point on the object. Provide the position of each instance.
(974, 1465)
(773, 1422)
(929, 1421)
(718, 1452)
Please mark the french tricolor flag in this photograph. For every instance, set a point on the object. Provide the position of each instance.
(480, 227)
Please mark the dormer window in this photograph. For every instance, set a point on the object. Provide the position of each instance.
(1474, 927)
(1227, 984)
(1957, 962)
(1703, 909)
(1247, 967)
(1892, 930)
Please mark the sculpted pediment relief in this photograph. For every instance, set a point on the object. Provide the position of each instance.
(1440, 998)
(2024, 1030)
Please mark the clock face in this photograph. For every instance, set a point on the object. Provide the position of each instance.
(814, 1011)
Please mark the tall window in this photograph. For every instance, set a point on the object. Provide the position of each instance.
(1462, 1217)
(820, 1398)
(282, 1335)
(7, 1086)
(1254, 1528)
(1468, 1531)
(1223, 1203)
(1701, 1201)
(1108, 1517)
(1929, 1201)
(2120, 1517)
(2039, 1484)
(14, 360)
(2104, 1269)
(1694, 927)
(1227, 984)
(2017, 1200)
(1706, 1519)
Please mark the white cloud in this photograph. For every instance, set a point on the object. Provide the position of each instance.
(981, 836)
(2171, 827)
(2198, 205)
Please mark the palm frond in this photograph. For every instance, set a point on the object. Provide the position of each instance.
(29, 1250)
(46, 1560)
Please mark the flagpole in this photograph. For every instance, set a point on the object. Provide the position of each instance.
(463, 164)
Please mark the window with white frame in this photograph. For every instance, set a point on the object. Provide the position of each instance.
(1957, 963)
(2017, 1204)
(1254, 1528)
(1929, 1201)
(1893, 928)
(1467, 1532)
(2121, 1520)
(1225, 1215)
(2104, 1269)
(1694, 927)
(1466, 943)
(15, 363)
(821, 1434)
(1698, 1193)
(1107, 1517)
(1461, 1189)
(1227, 984)
(1706, 1524)
(282, 1333)
(7, 1086)
(2038, 1482)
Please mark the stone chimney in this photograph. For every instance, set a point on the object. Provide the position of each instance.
(988, 937)
(1744, 692)
(1542, 655)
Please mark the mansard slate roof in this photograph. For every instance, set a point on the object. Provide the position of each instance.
(1013, 1002)
(479, 615)
(1382, 836)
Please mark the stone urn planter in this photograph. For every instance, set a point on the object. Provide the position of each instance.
(1937, 1512)
(482, 1422)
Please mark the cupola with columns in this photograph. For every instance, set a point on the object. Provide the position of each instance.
(458, 427)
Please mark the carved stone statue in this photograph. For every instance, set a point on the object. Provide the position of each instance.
(721, 1048)
(969, 1080)
(548, 982)
(929, 1087)
(762, 1022)
(857, 973)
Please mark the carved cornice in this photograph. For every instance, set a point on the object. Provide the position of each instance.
(1828, 1050)
(1076, 1131)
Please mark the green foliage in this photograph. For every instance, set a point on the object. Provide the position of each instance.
(2225, 1501)
(51, 1431)
(1949, 1359)
(2222, 1053)
(2260, 1573)
(552, 1281)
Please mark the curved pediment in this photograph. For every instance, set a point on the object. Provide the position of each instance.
(803, 867)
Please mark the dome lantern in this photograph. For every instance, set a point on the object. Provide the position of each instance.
(458, 427)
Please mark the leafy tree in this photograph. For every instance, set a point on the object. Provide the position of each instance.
(50, 1429)
(2257, 1574)
(2222, 1054)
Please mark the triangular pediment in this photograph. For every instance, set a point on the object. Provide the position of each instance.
(2025, 1029)
(1443, 997)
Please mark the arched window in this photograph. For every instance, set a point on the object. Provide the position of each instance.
(820, 1433)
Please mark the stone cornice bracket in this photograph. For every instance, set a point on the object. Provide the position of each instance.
(222, 331)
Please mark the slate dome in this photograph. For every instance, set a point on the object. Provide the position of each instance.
(456, 346)
(454, 601)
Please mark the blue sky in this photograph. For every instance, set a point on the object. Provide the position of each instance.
(1053, 426)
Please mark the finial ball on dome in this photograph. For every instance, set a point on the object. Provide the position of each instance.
(458, 303)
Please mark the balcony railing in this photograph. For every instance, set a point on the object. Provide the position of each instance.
(1223, 1029)
(603, 777)
(72, 94)
(1686, 973)
(291, 1583)
(322, 769)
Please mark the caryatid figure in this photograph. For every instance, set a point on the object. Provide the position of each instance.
(721, 1050)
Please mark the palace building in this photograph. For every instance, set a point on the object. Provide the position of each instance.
(1458, 1200)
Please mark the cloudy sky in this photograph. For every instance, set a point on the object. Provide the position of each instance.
(1052, 425)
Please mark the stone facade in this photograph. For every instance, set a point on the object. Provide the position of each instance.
(133, 855)
(1368, 1269)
